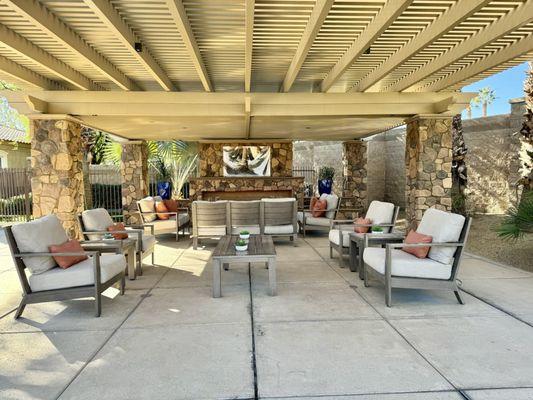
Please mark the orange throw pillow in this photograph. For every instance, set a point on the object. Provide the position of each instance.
(71, 246)
(160, 207)
(119, 226)
(171, 205)
(319, 208)
(415, 237)
(362, 221)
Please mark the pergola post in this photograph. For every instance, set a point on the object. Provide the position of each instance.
(57, 172)
(134, 169)
(354, 159)
(428, 161)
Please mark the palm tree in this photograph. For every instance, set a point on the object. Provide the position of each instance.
(486, 97)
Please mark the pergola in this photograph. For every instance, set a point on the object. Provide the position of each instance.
(253, 70)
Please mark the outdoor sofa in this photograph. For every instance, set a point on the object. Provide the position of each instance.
(438, 271)
(29, 246)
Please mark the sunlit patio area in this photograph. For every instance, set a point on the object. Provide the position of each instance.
(324, 336)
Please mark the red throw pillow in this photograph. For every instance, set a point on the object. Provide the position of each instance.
(319, 208)
(362, 221)
(312, 202)
(71, 246)
(171, 205)
(119, 226)
(161, 208)
(415, 237)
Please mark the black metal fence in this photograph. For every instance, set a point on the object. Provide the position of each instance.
(106, 188)
(15, 195)
(310, 178)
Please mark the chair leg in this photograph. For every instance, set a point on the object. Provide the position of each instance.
(330, 250)
(294, 237)
(388, 293)
(153, 258)
(458, 297)
(122, 285)
(140, 263)
(225, 266)
(195, 243)
(98, 304)
(20, 308)
(365, 276)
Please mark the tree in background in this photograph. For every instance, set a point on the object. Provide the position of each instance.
(9, 116)
(485, 97)
(459, 173)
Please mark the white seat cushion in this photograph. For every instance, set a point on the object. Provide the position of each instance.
(332, 200)
(212, 230)
(148, 241)
(96, 220)
(278, 199)
(164, 225)
(334, 235)
(443, 227)
(253, 229)
(407, 265)
(35, 237)
(279, 229)
(147, 205)
(81, 274)
(310, 220)
(380, 212)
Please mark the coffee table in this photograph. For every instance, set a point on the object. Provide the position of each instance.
(260, 249)
(127, 247)
(358, 242)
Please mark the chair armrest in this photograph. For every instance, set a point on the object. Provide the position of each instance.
(436, 244)
(342, 221)
(70, 253)
(138, 232)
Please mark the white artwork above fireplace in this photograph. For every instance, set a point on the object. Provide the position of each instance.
(246, 160)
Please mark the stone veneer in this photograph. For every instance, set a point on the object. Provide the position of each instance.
(56, 170)
(355, 174)
(134, 170)
(210, 155)
(428, 162)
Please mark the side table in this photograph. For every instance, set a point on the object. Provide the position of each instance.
(127, 247)
(358, 242)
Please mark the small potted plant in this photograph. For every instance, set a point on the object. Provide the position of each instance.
(377, 229)
(241, 245)
(325, 179)
(244, 235)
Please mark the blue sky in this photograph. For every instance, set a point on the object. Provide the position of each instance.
(507, 85)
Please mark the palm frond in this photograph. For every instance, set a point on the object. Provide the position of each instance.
(519, 220)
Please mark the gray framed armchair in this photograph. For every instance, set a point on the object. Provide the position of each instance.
(45, 281)
(307, 222)
(381, 214)
(210, 219)
(398, 269)
(177, 220)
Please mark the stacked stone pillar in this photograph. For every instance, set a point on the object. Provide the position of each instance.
(57, 172)
(134, 169)
(428, 161)
(354, 159)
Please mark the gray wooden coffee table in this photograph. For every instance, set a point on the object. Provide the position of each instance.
(358, 242)
(260, 249)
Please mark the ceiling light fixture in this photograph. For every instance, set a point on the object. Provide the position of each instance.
(138, 47)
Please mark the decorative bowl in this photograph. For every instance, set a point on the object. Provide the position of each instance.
(244, 235)
(241, 248)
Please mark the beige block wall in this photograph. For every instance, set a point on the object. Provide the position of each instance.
(17, 154)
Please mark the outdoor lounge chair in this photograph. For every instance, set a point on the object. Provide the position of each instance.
(244, 216)
(29, 242)
(177, 220)
(210, 219)
(279, 217)
(398, 269)
(307, 222)
(94, 224)
(380, 213)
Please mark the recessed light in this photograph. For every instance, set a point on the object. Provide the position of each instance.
(138, 47)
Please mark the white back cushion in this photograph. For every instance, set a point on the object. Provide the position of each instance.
(332, 200)
(96, 220)
(278, 199)
(147, 205)
(443, 227)
(380, 212)
(35, 237)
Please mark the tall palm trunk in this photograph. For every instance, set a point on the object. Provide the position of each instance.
(459, 175)
(484, 108)
(526, 135)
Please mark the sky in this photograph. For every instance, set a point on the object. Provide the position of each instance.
(508, 84)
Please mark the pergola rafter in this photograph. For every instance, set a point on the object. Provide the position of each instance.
(111, 18)
(53, 26)
(249, 45)
(27, 75)
(179, 14)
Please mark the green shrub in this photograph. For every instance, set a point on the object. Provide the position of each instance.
(326, 173)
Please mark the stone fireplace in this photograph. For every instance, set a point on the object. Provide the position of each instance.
(212, 185)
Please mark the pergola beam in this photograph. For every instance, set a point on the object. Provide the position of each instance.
(26, 75)
(179, 14)
(111, 18)
(41, 17)
(386, 16)
(454, 16)
(24, 47)
(513, 20)
(249, 44)
(511, 52)
(318, 15)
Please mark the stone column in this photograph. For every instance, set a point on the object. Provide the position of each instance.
(134, 169)
(428, 162)
(56, 170)
(354, 159)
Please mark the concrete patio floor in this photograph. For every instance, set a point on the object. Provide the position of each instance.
(324, 336)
